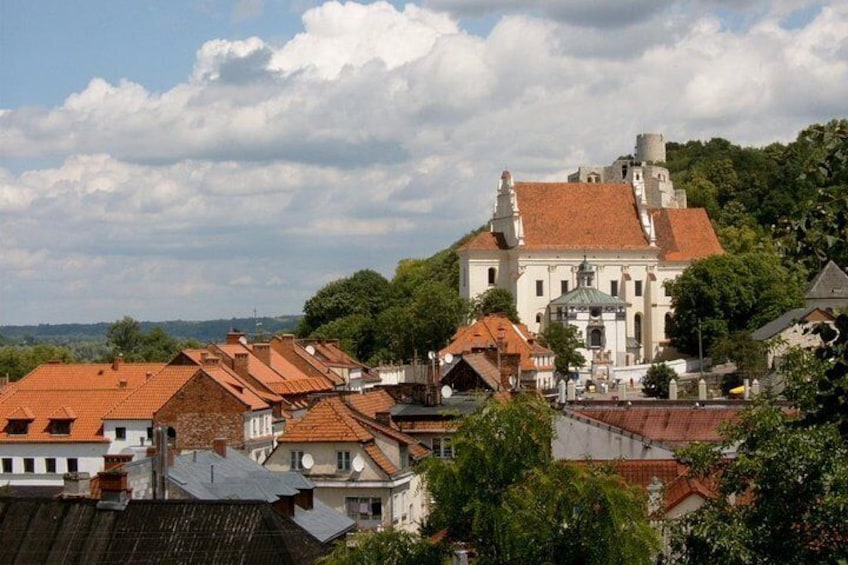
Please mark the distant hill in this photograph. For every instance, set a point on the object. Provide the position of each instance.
(202, 331)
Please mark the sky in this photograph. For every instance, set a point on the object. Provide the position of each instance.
(211, 159)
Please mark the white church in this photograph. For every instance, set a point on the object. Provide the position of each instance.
(593, 252)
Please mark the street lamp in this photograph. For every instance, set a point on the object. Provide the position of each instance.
(700, 350)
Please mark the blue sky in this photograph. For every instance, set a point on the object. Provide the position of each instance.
(201, 159)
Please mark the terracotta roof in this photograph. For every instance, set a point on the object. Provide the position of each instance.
(670, 425)
(21, 413)
(486, 241)
(371, 402)
(237, 387)
(415, 449)
(380, 459)
(287, 347)
(63, 413)
(144, 401)
(329, 420)
(685, 234)
(485, 332)
(61, 376)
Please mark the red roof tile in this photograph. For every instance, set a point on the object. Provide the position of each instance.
(488, 330)
(329, 420)
(143, 402)
(686, 234)
(380, 459)
(371, 402)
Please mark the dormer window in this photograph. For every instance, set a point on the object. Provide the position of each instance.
(60, 427)
(17, 427)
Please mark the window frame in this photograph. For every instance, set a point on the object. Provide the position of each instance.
(17, 427)
(72, 464)
(613, 288)
(540, 287)
(296, 460)
(121, 433)
(638, 288)
(343, 460)
(8, 465)
(50, 464)
(29, 465)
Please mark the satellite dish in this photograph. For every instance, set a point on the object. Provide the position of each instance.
(358, 464)
(512, 381)
(447, 391)
(431, 355)
(311, 350)
(242, 340)
(307, 461)
(448, 358)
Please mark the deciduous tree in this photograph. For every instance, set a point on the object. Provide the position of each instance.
(564, 341)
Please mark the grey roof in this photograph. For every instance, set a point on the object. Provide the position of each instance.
(587, 296)
(70, 531)
(831, 282)
(458, 404)
(205, 475)
(787, 320)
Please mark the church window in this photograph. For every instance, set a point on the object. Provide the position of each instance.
(638, 289)
(563, 287)
(614, 288)
(540, 288)
(624, 171)
(637, 327)
(538, 318)
(596, 338)
(493, 273)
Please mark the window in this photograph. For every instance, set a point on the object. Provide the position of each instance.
(73, 465)
(343, 460)
(29, 465)
(296, 460)
(120, 433)
(17, 427)
(614, 288)
(365, 509)
(596, 338)
(150, 433)
(638, 289)
(637, 327)
(540, 288)
(60, 427)
(7, 464)
(493, 274)
(50, 464)
(667, 325)
(538, 318)
(563, 287)
(404, 456)
(667, 288)
(442, 447)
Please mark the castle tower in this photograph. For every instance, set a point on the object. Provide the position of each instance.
(650, 147)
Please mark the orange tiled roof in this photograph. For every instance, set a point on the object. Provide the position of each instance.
(288, 348)
(245, 393)
(328, 420)
(686, 234)
(670, 425)
(21, 413)
(415, 449)
(63, 413)
(371, 402)
(484, 334)
(380, 459)
(144, 401)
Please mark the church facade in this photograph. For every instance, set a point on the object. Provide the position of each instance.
(634, 232)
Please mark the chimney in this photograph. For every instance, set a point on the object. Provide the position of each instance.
(114, 490)
(304, 498)
(77, 485)
(210, 360)
(116, 461)
(263, 352)
(122, 383)
(284, 505)
(240, 364)
(118, 361)
(234, 337)
(219, 445)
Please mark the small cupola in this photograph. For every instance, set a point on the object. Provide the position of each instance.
(586, 274)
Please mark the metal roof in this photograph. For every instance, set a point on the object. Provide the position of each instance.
(587, 296)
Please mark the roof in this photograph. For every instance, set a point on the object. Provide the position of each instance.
(789, 319)
(237, 477)
(482, 367)
(80, 393)
(587, 295)
(371, 402)
(65, 531)
(685, 234)
(488, 331)
(144, 401)
(287, 346)
(671, 425)
(830, 283)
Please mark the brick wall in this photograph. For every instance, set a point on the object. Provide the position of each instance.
(202, 411)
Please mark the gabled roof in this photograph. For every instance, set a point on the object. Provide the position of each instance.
(488, 331)
(246, 394)
(329, 420)
(830, 283)
(789, 319)
(288, 347)
(63, 413)
(685, 234)
(237, 477)
(371, 402)
(143, 402)
(482, 367)
(673, 426)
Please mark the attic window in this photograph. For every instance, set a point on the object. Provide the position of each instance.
(17, 427)
(60, 427)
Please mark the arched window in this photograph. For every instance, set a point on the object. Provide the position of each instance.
(538, 318)
(596, 338)
(637, 327)
(493, 273)
(667, 324)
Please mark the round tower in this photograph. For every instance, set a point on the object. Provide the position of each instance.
(650, 147)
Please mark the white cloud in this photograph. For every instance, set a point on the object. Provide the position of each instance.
(375, 134)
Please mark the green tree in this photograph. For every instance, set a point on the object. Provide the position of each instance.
(496, 301)
(782, 499)
(16, 361)
(749, 356)
(364, 293)
(723, 294)
(354, 332)
(389, 547)
(655, 383)
(505, 495)
(125, 336)
(128, 340)
(564, 341)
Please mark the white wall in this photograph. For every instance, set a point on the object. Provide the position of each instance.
(89, 459)
(136, 434)
(578, 440)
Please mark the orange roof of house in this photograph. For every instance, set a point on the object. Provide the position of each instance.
(371, 402)
(144, 401)
(328, 420)
(245, 393)
(415, 449)
(289, 348)
(61, 376)
(685, 234)
(380, 458)
(670, 425)
(485, 332)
